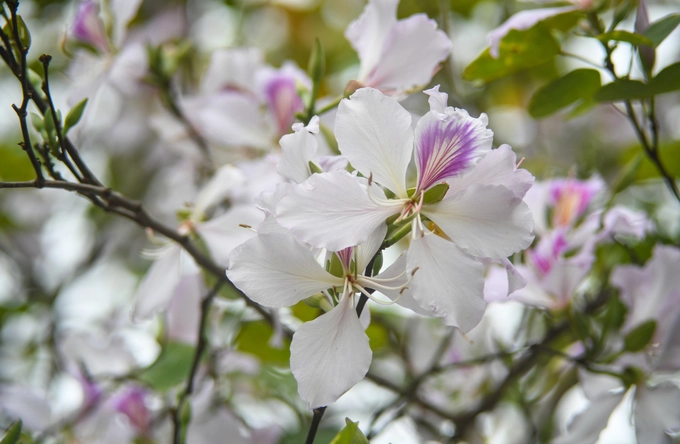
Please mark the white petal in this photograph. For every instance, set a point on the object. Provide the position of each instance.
(222, 183)
(656, 411)
(566, 275)
(366, 251)
(232, 67)
(411, 52)
(297, 150)
(329, 355)
(367, 33)
(449, 283)
(587, 426)
(404, 299)
(515, 279)
(223, 233)
(331, 210)
(158, 286)
(184, 311)
(438, 101)
(484, 220)
(276, 270)
(374, 133)
(498, 167)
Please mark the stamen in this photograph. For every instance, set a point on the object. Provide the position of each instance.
(371, 297)
(520, 162)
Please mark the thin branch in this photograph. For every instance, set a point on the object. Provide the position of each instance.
(179, 430)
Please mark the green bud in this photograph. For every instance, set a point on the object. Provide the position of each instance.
(73, 116)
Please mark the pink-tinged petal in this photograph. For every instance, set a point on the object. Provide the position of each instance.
(485, 220)
(515, 279)
(329, 355)
(410, 55)
(626, 222)
(565, 276)
(223, 233)
(374, 133)
(276, 270)
(521, 21)
(498, 167)
(332, 211)
(283, 101)
(449, 283)
(438, 101)
(132, 403)
(587, 426)
(88, 27)
(571, 197)
(158, 286)
(367, 34)
(656, 412)
(297, 150)
(448, 144)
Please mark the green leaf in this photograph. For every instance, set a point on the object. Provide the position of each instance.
(316, 67)
(518, 50)
(254, 338)
(640, 336)
(38, 122)
(623, 89)
(73, 116)
(13, 434)
(667, 80)
(436, 193)
(171, 368)
(24, 34)
(625, 36)
(562, 92)
(660, 29)
(350, 434)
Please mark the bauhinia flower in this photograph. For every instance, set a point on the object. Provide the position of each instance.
(462, 208)
(396, 55)
(331, 353)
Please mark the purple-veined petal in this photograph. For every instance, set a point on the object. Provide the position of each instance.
(449, 283)
(410, 55)
(332, 211)
(374, 133)
(484, 220)
(368, 33)
(498, 167)
(158, 286)
(656, 411)
(276, 270)
(297, 150)
(521, 21)
(448, 144)
(224, 232)
(329, 355)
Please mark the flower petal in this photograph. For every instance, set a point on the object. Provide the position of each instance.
(398, 277)
(587, 426)
(485, 220)
(223, 233)
(276, 270)
(449, 282)
(329, 355)
(438, 101)
(448, 144)
(374, 133)
(331, 210)
(410, 55)
(498, 167)
(297, 150)
(367, 33)
(656, 411)
(158, 286)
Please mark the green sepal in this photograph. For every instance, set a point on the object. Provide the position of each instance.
(13, 433)
(314, 168)
(436, 193)
(73, 116)
(638, 338)
(350, 434)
